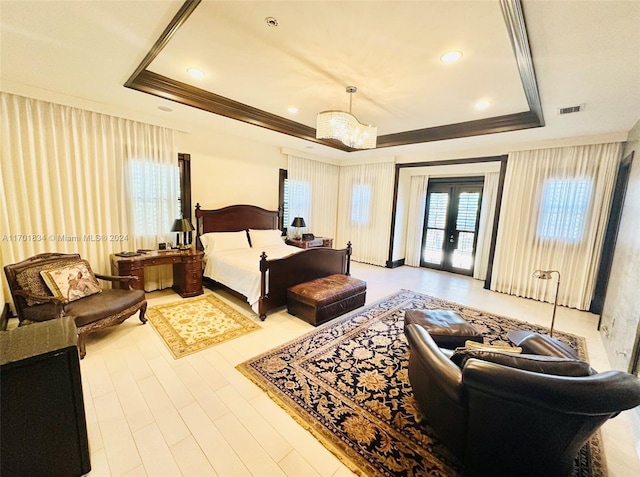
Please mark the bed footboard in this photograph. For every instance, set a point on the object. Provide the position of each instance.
(280, 274)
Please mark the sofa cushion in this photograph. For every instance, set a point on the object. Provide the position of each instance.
(528, 362)
(71, 282)
(101, 305)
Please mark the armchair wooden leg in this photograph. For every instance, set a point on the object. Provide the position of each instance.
(143, 310)
(81, 345)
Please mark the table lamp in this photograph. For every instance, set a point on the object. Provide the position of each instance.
(184, 226)
(298, 222)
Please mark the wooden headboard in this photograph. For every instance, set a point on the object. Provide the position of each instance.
(233, 219)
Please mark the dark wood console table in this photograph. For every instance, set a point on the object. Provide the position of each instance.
(187, 269)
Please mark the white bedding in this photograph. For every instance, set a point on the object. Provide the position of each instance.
(240, 269)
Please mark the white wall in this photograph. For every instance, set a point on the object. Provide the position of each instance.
(401, 214)
(228, 170)
(621, 312)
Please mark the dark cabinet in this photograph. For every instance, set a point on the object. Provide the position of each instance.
(42, 421)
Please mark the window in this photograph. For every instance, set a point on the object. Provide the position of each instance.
(360, 203)
(298, 195)
(283, 200)
(564, 209)
(155, 197)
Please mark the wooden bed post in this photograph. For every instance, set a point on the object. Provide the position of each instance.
(348, 259)
(264, 266)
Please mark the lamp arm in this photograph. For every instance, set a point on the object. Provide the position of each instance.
(555, 304)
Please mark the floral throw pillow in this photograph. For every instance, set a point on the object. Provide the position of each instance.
(71, 282)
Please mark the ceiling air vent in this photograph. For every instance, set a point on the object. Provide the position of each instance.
(571, 109)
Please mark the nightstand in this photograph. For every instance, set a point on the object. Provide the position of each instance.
(316, 242)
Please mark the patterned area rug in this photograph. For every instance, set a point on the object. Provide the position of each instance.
(347, 383)
(193, 324)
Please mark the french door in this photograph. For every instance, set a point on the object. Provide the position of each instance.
(451, 224)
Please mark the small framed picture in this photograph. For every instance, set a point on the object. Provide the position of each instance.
(162, 246)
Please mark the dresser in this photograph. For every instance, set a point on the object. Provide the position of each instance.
(187, 269)
(316, 242)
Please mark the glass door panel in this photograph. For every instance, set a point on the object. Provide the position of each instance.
(451, 226)
(466, 228)
(436, 222)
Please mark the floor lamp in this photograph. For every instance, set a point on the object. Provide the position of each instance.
(548, 275)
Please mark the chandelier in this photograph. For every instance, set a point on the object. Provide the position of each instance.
(345, 127)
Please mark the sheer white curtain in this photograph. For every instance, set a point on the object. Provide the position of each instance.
(65, 179)
(415, 221)
(313, 195)
(153, 190)
(554, 213)
(364, 210)
(487, 213)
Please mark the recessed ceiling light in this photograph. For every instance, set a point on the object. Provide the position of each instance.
(483, 104)
(195, 72)
(292, 110)
(451, 57)
(165, 108)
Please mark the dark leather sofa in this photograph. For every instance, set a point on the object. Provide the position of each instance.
(502, 420)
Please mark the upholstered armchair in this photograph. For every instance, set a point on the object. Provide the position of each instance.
(51, 285)
(501, 419)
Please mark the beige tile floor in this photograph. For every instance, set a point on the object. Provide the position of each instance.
(151, 415)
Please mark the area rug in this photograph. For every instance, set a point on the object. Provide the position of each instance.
(347, 383)
(193, 324)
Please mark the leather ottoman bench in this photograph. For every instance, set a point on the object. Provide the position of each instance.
(323, 299)
(447, 328)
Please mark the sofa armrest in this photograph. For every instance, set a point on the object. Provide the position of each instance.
(124, 279)
(41, 298)
(447, 374)
(603, 394)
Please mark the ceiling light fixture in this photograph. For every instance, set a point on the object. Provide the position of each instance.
(345, 127)
(483, 104)
(451, 57)
(292, 110)
(195, 72)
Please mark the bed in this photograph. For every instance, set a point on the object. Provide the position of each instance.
(262, 271)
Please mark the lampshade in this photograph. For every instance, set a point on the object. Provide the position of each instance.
(345, 127)
(298, 222)
(544, 274)
(182, 225)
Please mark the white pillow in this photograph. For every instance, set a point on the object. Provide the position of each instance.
(265, 238)
(221, 241)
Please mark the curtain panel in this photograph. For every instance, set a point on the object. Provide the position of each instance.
(485, 227)
(554, 215)
(415, 222)
(313, 195)
(66, 179)
(364, 210)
